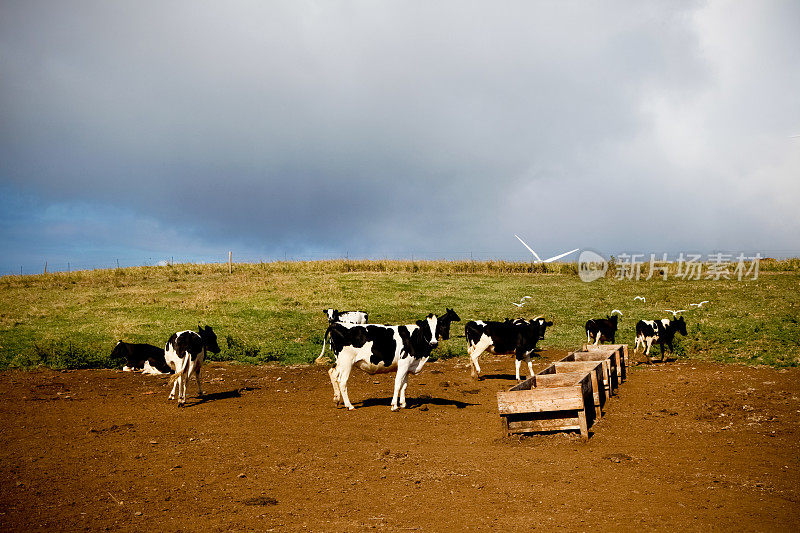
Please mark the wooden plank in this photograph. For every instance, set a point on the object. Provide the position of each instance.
(525, 385)
(546, 424)
(610, 374)
(533, 404)
(558, 380)
(621, 357)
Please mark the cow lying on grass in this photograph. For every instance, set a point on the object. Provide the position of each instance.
(353, 317)
(377, 349)
(146, 358)
(184, 353)
(518, 337)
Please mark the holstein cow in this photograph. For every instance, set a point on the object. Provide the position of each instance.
(660, 331)
(518, 337)
(145, 357)
(334, 315)
(443, 324)
(601, 329)
(377, 349)
(185, 352)
(353, 317)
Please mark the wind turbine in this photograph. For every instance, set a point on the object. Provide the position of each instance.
(539, 259)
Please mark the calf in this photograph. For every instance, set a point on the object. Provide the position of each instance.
(443, 324)
(353, 317)
(601, 329)
(661, 331)
(378, 349)
(518, 337)
(184, 353)
(146, 358)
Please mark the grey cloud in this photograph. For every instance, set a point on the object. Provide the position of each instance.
(377, 127)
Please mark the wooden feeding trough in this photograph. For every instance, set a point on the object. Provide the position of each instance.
(596, 371)
(549, 402)
(620, 355)
(610, 371)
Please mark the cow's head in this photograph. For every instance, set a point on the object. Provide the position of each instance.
(209, 339)
(678, 325)
(428, 328)
(543, 325)
(332, 314)
(443, 324)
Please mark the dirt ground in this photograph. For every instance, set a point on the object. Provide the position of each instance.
(689, 445)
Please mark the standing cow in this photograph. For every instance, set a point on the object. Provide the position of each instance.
(184, 353)
(377, 349)
(443, 324)
(518, 337)
(601, 329)
(660, 331)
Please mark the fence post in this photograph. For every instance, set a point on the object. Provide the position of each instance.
(230, 265)
(45, 267)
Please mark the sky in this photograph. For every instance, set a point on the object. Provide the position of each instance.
(144, 131)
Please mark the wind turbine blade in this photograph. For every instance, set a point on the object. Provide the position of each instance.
(560, 256)
(539, 259)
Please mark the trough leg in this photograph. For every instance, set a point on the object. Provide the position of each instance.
(583, 424)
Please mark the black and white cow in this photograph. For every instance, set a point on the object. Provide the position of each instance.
(146, 358)
(184, 353)
(334, 315)
(353, 317)
(601, 329)
(661, 331)
(518, 337)
(377, 349)
(443, 324)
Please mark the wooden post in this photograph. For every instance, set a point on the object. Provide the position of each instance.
(230, 265)
(45, 267)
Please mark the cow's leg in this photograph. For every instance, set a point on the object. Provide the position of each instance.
(174, 388)
(648, 342)
(517, 363)
(403, 392)
(530, 365)
(334, 375)
(399, 382)
(482, 344)
(343, 375)
(197, 377)
(598, 335)
(661, 344)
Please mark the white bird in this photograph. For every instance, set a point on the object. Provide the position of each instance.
(700, 304)
(640, 298)
(521, 302)
(675, 313)
(539, 259)
(616, 311)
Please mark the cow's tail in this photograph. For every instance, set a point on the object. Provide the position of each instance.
(321, 358)
(182, 371)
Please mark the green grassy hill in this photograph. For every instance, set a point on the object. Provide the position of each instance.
(273, 311)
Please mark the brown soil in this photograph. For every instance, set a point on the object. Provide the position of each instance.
(685, 445)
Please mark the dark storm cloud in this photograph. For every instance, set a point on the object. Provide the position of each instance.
(380, 127)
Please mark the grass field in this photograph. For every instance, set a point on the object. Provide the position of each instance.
(273, 311)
